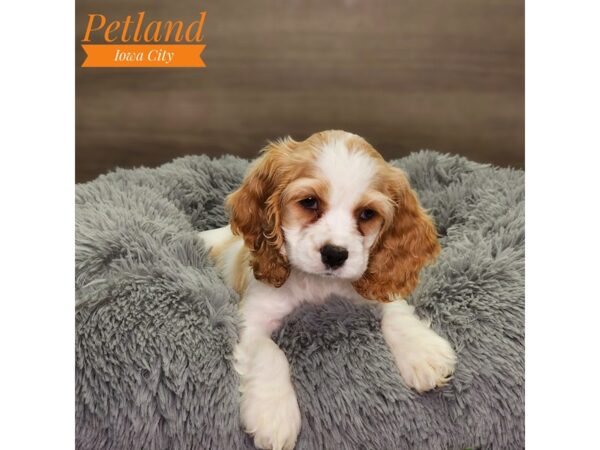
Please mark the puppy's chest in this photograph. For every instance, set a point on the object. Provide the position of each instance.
(317, 289)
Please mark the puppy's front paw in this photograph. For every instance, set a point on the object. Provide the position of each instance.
(272, 417)
(425, 361)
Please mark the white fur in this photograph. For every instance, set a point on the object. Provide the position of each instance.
(425, 360)
(268, 405)
(216, 236)
(348, 175)
(269, 408)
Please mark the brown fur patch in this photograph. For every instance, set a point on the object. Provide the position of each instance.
(255, 208)
(294, 214)
(406, 244)
(241, 268)
(367, 227)
(384, 211)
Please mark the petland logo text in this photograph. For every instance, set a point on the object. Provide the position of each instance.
(137, 42)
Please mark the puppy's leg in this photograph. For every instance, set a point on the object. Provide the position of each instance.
(425, 359)
(269, 408)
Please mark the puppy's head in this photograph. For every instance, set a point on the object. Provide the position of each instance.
(331, 206)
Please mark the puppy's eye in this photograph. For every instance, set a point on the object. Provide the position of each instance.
(309, 203)
(366, 214)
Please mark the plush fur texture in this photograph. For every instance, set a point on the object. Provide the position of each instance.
(155, 326)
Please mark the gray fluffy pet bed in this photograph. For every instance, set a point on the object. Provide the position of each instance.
(155, 325)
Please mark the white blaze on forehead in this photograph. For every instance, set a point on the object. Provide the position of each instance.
(348, 173)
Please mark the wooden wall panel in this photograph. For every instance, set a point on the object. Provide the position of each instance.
(406, 75)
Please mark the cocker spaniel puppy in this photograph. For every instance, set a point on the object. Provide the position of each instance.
(324, 216)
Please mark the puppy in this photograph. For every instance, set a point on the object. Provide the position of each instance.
(324, 216)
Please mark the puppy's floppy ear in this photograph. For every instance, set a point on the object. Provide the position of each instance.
(255, 213)
(404, 247)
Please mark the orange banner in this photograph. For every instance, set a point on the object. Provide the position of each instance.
(143, 55)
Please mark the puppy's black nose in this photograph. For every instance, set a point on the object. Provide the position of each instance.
(333, 256)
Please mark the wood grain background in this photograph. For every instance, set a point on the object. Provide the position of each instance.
(406, 75)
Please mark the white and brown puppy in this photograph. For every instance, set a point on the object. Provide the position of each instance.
(324, 216)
